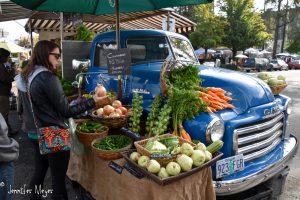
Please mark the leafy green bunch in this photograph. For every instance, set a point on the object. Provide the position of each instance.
(186, 77)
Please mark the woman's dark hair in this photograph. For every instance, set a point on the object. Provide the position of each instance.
(4, 54)
(40, 57)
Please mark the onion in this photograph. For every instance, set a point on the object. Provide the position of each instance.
(198, 157)
(135, 156)
(185, 162)
(117, 104)
(153, 166)
(163, 173)
(119, 111)
(124, 110)
(100, 90)
(99, 111)
(114, 114)
(143, 161)
(173, 168)
(186, 149)
(108, 109)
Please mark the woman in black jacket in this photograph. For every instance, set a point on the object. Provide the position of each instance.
(51, 108)
(7, 74)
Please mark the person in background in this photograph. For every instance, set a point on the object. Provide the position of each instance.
(7, 73)
(51, 108)
(9, 152)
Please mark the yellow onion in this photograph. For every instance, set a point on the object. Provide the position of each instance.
(117, 104)
(108, 109)
(100, 90)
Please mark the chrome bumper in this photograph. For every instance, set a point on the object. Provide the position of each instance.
(224, 188)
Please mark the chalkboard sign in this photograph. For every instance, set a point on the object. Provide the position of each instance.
(134, 171)
(130, 133)
(118, 61)
(157, 155)
(115, 167)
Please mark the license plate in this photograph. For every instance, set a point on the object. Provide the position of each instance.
(229, 165)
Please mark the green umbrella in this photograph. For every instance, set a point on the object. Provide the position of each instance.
(100, 7)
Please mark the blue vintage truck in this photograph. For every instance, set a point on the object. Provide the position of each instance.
(257, 146)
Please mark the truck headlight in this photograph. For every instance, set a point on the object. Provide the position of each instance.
(288, 108)
(215, 130)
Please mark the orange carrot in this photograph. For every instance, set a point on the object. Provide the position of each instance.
(215, 106)
(228, 105)
(227, 98)
(209, 109)
(185, 135)
(220, 95)
(212, 109)
(214, 89)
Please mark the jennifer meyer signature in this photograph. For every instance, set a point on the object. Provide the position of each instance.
(24, 190)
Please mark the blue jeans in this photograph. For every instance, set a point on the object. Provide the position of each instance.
(6, 180)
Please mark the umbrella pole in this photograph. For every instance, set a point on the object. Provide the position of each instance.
(118, 46)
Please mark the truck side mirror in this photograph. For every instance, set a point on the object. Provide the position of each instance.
(80, 64)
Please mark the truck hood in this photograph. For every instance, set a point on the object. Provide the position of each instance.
(246, 91)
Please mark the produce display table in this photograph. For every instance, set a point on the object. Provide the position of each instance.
(104, 183)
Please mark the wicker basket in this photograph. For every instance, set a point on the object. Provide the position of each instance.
(87, 138)
(111, 122)
(139, 145)
(278, 89)
(110, 154)
(108, 100)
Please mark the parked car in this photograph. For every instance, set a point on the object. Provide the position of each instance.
(257, 64)
(278, 64)
(294, 64)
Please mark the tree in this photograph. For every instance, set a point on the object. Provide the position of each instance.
(244, 28)
(282, 18)
(209, 30)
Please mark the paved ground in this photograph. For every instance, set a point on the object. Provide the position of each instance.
(24, 165)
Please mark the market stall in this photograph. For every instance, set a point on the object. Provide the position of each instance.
(102, 182)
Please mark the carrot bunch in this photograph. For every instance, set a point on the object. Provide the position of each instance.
(215, 98)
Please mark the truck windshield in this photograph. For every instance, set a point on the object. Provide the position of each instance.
(183, 50)
(148, 49)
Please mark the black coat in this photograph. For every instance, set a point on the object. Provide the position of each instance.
(6, 79)
(50, 105)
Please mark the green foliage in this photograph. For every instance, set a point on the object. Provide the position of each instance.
(182, 98)
(294, 47)
(186, 77)
(210, 28)
(294, 43)
(84, 34)
(244, 28)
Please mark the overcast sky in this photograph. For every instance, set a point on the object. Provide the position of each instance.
(16, 28)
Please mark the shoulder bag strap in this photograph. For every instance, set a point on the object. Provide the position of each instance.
(31, 105)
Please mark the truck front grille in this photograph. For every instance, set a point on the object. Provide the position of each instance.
(256, 140)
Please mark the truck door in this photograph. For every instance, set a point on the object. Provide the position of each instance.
(98, 72)
(147, 55)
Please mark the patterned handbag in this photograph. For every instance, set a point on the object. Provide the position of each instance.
(52, 139)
